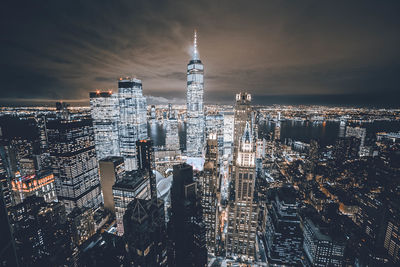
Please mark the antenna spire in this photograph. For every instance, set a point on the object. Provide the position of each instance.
(195, 52)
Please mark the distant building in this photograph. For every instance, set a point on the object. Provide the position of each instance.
(74, 162)
(357, 132)
(215, 125)
(132, 119)
(228, 133)
(186, 229)
(104, 107)
(195, 109)
(172, 134)
(41, 184)
(153, 112)
(111, 169)
(346, 148)
(210, 188)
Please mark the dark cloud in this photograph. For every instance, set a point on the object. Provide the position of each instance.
(338, 52)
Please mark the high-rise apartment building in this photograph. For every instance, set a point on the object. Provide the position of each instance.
(210, 183)
(111, 169)
(74, 162)
(104, 108)
(132, 119)
(243, 207)
(195, 109)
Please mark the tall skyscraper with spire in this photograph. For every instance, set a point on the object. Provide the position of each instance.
(195, 110)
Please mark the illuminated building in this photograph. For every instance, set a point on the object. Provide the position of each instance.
(8, 256)
(41, 184)
(81, 225)
(133, 185)
(104, 109)
(321, 247)
(172, 135)
(283, 235)
(228, 133)
(195, 109)
(40, 232)
(186, 229)
(391, 241)
(215, 125)
(153, 112)
(132, 119)
(74, 162)
(111, 169)
(209, 182)
(243, 209)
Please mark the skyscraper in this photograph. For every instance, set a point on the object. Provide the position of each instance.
(195, 110)
(243, 208)
(8, 256)
(132, 119)
(215, 125)
(74, 162)
(209, 183)
(172, 135)
(111, 169)
(104, 108)
(144, 219)
(186, 229)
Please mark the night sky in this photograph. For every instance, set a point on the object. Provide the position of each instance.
(283, 52)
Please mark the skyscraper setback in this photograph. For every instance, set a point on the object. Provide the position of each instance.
(195, 109)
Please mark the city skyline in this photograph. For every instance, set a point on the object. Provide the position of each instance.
(280, 53)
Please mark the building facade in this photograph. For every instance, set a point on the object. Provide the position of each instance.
(104, 107)
(132, 119)
(210, 189)
(195, 109)
(111, 169)
(74, 162)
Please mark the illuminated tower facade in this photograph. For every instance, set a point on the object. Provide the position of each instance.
(132, 119)
(209, 182)
(195, 110)
(243, 207)
(104, 109)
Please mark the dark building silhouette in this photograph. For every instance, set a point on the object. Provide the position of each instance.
(145, 233)
(40, 232)
(144, 219)
(186, 229)
(8, 256)
(283, 234)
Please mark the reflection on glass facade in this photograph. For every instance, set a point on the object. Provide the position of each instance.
(132, 119)
(195, 110)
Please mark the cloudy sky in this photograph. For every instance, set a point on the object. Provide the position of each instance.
(305, 52)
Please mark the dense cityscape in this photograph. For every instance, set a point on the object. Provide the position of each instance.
(124, 181)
